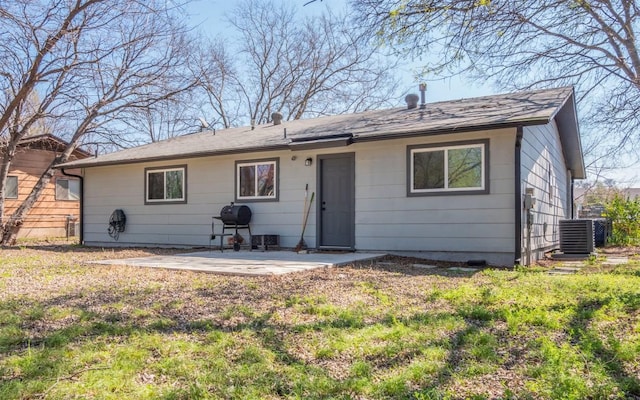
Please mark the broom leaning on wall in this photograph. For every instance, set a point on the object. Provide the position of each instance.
(305, 217)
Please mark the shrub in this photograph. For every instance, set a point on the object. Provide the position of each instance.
(625, 216)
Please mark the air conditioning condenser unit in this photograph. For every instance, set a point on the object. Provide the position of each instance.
(576, 236)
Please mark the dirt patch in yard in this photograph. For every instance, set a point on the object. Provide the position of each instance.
(632, 253)
(616, 251)
(85, 253)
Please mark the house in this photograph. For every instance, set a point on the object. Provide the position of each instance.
(455, 180)
(57, 211)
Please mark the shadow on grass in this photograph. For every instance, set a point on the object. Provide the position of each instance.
(466, 341)
(43, 360)
(401, 266)
(594, 348)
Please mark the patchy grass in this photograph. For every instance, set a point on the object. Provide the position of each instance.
(74, 330)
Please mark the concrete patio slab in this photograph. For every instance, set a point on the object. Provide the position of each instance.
(245, 262)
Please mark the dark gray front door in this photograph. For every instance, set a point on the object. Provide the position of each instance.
(337, 201)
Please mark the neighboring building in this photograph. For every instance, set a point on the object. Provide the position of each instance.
(447, 181)
(57, 211)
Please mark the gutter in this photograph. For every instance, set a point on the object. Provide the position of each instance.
(450, 130)
(518, 197)
(81, 179)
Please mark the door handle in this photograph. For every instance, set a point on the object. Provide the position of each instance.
(323, 208)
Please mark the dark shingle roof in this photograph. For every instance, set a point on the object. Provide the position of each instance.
(505, 110)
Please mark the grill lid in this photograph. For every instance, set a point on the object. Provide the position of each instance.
(238, 215)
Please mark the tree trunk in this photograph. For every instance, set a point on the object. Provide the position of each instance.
(8, 153)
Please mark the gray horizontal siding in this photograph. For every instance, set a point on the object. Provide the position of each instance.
(210, 187)
(544, 170)
(437, 203)
(387, 219)
(449, 217)
(421, 244)
(445, 230)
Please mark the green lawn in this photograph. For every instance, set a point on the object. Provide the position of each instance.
(74, 330)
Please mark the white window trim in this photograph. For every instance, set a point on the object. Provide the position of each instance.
(240, 164)
(446, 149)
(17, 187)
(148, 171)
(68, 189)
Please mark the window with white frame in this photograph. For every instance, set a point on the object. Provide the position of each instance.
(165, 185)
(11, 187)
(257, 180)
(448, 168)
(67, 189)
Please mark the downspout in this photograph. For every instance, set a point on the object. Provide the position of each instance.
(571, 205)
(81, 179)
(518, 197)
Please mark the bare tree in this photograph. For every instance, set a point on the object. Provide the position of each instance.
(523, 44)
(162, 120)
(220, 83)
(301, 67)
(92, 62)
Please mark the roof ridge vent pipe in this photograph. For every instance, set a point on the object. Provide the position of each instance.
(204, 125)
(423, 89)
(412, 101)
(277, 118)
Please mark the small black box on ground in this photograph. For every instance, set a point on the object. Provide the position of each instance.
(265, 242)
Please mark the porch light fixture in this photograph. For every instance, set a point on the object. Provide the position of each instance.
(308, 162)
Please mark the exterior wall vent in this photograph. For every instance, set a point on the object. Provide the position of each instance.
(576, 236)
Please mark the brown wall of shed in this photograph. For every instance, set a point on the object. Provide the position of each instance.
(49, 217)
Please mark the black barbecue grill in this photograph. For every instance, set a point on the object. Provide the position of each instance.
(233, 218)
